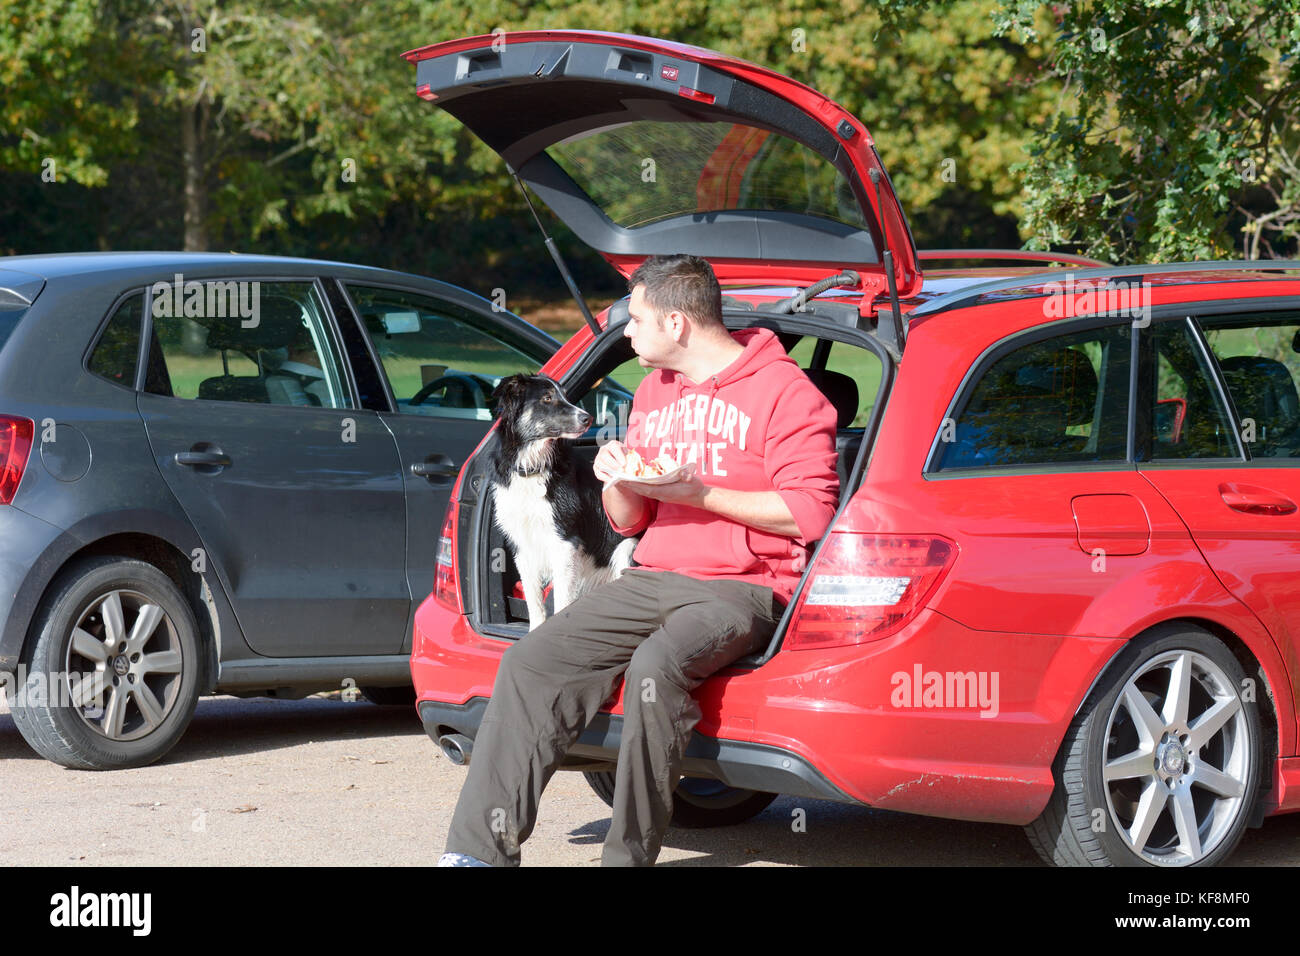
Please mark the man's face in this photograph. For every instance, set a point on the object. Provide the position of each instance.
(651, 335)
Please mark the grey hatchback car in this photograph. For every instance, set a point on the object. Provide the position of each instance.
(224, 473)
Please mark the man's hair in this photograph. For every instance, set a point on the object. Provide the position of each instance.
(684, 283)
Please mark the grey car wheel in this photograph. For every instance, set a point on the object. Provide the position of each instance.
(122, 669)
(112, 671)
(1161, 766)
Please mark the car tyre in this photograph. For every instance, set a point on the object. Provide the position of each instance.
(112, 667)
(697, 803)
(1161, 765)
(403, 696)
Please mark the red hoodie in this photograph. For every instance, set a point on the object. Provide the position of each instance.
(758, 425)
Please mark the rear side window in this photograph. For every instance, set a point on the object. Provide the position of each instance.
(1062, 400)
(1260, 361)
(268, 346)
(118, 348)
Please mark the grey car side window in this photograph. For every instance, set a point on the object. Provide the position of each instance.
(441, 359)
(270, 347)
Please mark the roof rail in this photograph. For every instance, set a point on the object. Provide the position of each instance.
(1003, 255)
(971, 294)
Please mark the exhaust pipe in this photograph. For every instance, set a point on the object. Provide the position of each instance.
(457, 747)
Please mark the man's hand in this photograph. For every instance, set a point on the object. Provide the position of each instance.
(625, 502)
(609, 460)
(625, 507)
(764, 510)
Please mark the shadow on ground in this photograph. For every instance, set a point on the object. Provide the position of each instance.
(223, 726)
(832, 834)
(838, 834)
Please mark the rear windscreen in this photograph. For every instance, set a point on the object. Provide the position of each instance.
(643, 172)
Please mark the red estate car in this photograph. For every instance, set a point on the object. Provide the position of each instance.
(1060, 585)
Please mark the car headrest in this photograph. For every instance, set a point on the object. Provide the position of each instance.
(1263, 390)
(279, 326)
(233, 388)
(840, 390)
(1064, 377)
(618, 314)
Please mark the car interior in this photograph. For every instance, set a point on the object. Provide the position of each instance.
(280, 334)
(1261, 378)
(1199, 427)
(1061, 400)
(505, 603)
(439, 388)
(1265, 393)
(280, 329)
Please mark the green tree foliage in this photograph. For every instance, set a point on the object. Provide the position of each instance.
(1177, 134)
(61, 117)
(292, 127)
(251, 122)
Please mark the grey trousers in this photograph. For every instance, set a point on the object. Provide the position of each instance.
(668, 632)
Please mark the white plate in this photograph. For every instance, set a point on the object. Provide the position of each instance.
(679, 473)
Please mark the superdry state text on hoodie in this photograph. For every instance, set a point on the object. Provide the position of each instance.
(758, 425)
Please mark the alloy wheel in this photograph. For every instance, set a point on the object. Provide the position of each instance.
(124, 665)
(1177, 762)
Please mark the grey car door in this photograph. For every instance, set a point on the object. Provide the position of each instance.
(441, 355)
(296, 494)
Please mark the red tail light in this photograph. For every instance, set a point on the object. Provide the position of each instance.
(865, 587)
(15, 444)
(445, 588)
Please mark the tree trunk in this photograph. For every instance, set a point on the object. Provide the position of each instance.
(194, 115)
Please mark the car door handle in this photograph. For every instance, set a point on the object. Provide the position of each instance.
(437, 466)
(202, 459)
(1256, 501)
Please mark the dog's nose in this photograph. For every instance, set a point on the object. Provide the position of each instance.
(584, 419)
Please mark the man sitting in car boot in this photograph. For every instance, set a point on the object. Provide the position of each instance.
(721, 552)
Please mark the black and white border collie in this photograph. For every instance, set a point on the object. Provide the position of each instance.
(547, 499)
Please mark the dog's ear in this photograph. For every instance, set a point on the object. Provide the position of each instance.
(508, 393)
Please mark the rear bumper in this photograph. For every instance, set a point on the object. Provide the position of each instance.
(734, 762)
(30, 553)
(839, 716)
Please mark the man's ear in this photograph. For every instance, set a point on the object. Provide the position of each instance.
(676, 323)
